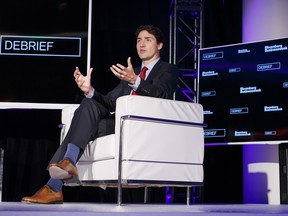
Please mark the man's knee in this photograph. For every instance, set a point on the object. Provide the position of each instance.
(88, 103)
(93, 105)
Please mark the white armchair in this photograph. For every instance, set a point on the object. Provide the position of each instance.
(157, 142)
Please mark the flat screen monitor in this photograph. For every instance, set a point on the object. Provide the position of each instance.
(244, 91)
(41, 43)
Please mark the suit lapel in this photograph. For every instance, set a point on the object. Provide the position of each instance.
(155, 71)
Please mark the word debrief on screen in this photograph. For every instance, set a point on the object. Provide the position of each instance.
(40, 45)
(28, 45)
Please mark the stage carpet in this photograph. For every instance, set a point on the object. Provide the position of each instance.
(96, 209)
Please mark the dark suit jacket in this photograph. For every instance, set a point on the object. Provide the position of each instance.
(161, 83)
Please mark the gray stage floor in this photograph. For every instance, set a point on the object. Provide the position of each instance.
(87, 209)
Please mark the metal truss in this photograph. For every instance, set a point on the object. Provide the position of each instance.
(185, 39)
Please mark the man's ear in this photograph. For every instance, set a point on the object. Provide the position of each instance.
(160, 46)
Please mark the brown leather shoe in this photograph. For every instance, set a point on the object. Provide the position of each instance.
(63, 170)
(45, 195)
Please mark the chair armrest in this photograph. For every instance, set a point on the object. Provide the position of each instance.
(159, 108)
(178, 125)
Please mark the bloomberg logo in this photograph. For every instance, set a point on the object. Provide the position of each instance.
(40, 46)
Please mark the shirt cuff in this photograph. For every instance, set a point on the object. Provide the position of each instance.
(136, 84)
(91, 94)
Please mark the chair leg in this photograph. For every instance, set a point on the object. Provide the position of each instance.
(146, 194)
(188, 195)
(119, 194)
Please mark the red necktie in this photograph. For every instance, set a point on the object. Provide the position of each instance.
(142, 76)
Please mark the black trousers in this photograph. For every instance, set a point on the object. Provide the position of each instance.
(91, 120)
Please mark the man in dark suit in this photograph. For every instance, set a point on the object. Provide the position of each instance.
(93, 117)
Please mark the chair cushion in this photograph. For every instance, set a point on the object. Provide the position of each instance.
(102, 148)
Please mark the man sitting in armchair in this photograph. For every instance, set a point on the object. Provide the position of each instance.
(154, 78)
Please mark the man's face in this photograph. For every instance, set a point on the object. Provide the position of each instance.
(147, 47)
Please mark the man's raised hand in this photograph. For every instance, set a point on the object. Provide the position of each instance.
(83, 82)
(124, 73)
